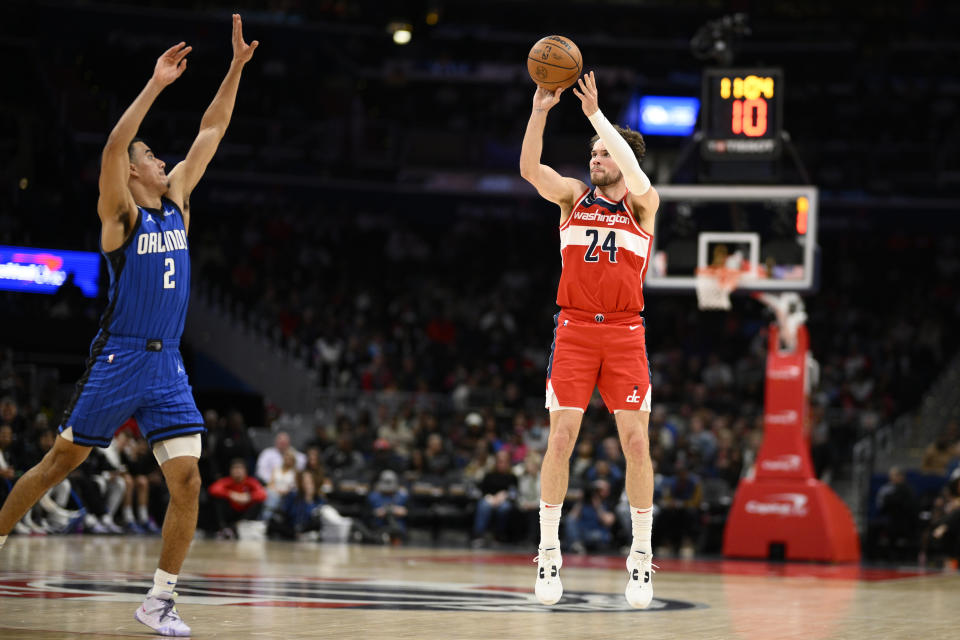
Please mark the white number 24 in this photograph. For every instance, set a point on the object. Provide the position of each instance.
(168, 281)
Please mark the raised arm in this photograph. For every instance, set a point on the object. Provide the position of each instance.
(116, 204)
(550, 184)
(644, 198)
(213, 125)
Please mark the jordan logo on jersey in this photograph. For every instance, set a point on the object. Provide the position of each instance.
(162, 241)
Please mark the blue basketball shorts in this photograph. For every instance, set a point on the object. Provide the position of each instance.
(132, 377)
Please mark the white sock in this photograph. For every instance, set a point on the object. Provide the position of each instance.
(142, 514)
(550, 525)
(2, 540)
(163, 581)
(128, 515)
(642, 521)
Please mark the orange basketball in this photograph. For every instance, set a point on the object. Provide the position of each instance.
(554, 62)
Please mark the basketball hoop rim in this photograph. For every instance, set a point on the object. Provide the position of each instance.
(725, 276)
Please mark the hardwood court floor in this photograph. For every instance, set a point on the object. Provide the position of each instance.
(88, 587)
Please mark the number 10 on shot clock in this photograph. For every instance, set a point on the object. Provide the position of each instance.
(742, 113)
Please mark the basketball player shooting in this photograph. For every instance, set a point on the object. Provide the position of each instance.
(135, 366)
(605, 235)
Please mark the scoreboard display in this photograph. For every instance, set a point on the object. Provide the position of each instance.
(742, 113)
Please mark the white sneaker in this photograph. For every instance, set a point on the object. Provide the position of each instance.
(548, 587)
(111, 526)
(160, 614)
(639, 590)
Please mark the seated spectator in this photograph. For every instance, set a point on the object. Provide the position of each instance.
(385, 458)
(499, 490)
(8, 469)
(113, 480)
(590, 523)
(592, 520)
(528, 492)
(388, 508)
(583, 459)
(398, 433)
(603, 470)
(121, 451)
(283, 481)
(437, 460)
(271, 458)
(228, 442)
(536, 436)
(679, 517)
(937, 456)
(516, 445)
(316, 468)
(10, 414)
(301, 515)
(612, 452)
(895, 528)
(342, 459)
(941, 541)
(236, 497)
(145, 473)
(49, 515)
(480, 464)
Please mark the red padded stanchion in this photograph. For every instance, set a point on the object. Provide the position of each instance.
(783, 503)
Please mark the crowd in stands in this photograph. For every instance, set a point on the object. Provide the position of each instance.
(453, 295)
(915, 514)
(410, 319)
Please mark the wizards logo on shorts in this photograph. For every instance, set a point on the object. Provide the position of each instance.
(342, 593)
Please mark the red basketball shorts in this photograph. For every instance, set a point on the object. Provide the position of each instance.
(604, 351)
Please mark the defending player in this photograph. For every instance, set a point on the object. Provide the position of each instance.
(135, 366)
(605, 236)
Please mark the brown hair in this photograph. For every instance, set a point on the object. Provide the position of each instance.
(633, 138)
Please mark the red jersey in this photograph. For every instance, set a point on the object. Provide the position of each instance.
(605, 255)
(223, 487)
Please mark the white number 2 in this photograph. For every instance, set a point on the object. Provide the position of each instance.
(168, 282)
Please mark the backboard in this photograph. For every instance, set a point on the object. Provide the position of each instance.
(768, 232)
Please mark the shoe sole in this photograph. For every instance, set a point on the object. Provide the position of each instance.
(163, 631)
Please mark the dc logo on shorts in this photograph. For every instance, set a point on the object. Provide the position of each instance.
(598, 317)
(633, 397)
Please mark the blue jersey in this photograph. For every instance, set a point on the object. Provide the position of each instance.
(150, 277)
(135, 368)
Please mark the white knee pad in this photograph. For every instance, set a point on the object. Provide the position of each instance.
(176, 447)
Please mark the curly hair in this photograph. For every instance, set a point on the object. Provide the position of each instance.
(633, 138)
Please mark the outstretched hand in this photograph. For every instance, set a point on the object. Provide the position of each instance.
(171, 64)
(587, 94)
(544, 99)
(242, 52)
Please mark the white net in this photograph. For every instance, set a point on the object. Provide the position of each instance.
(714, 285)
